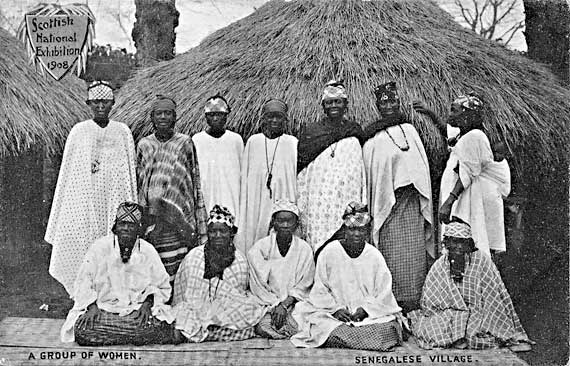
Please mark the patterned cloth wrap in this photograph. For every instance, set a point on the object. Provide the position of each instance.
(216, 104)
(374, 337)
(222, 214)
(469, 101)
(275, 106)
(284, 205)
(356, 215)
(334, 89)
(387, 91)
(477, 309)
(100, 90)
(129, 212)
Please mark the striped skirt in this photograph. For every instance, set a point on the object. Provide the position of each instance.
(170, 247)
(112, 329)
(374, 337)
(402, 243)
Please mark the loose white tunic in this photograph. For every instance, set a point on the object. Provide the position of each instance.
(219, 160)
(86, 200)
(342, 282)
(119, 287)
(255, 201)
(273, 277)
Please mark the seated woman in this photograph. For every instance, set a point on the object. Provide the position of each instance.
(211, 301)
(351, 304)
(281, 271)
(121, 289)
(465, 303)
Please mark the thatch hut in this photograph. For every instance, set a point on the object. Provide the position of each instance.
(37, 113)
(289, 49)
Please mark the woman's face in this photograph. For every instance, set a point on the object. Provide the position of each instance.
(355, 237)
(219, 235)
(163, 119)
(274, 122)
(335, 108)
(457, 117)
(217, 120)
(101, 108)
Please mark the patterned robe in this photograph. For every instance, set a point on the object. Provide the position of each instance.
(478, 308)
(202, 306)
(169, 185)
(326, 186)
(97, 174)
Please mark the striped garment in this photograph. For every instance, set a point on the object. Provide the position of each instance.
(216, 333)
(169, 184)
(477, 309)
(170, 247)
(113, 329)
(374, 337)
(401, 241)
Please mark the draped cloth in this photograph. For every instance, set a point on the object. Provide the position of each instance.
(322, 134)
(326, 186)
(255, 201)
(485, 181)
(220, 168)
(388, 168)
(117, 287)
(348, 283)
(478, 308)
(85, 202)
(273, 278)
(169, 185)
(200, 303)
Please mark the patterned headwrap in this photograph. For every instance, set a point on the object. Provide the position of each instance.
(469, 101)
(457, 230)
(216, 104)
(275, 106)
(334, 89)
(100, 90)
(386, 91)
(129, 212)
(284, 205)
(163, 101)
(222, 214)
(356, 215)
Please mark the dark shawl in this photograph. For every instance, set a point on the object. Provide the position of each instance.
(322, 134)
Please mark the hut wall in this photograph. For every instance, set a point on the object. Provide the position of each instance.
(21, 207)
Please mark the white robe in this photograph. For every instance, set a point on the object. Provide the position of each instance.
(118, 287)
(255, 202)
(485, 182)
(388, 168)
(85, 203)
(273, 278)
(219, 160)
(348, 283)
(326, 186)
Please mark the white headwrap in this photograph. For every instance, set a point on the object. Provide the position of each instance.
(100, 90)
(334, 89)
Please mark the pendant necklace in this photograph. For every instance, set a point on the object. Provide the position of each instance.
(333, 149)
(402, 148)
(270, 168)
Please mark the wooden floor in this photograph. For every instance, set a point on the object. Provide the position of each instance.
(32, 341)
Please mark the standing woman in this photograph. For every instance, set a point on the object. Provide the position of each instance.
(330, 166)
(468, 191)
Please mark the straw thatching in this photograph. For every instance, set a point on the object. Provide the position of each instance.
(35, 109)
(290, 49)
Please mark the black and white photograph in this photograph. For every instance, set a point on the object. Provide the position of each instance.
(284, 182)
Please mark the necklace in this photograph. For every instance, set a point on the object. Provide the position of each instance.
(270, 168)
(333, 149)
(96, 162)
(402, 148)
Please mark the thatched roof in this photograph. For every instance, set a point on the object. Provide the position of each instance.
(290, 49)
(35, 109)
